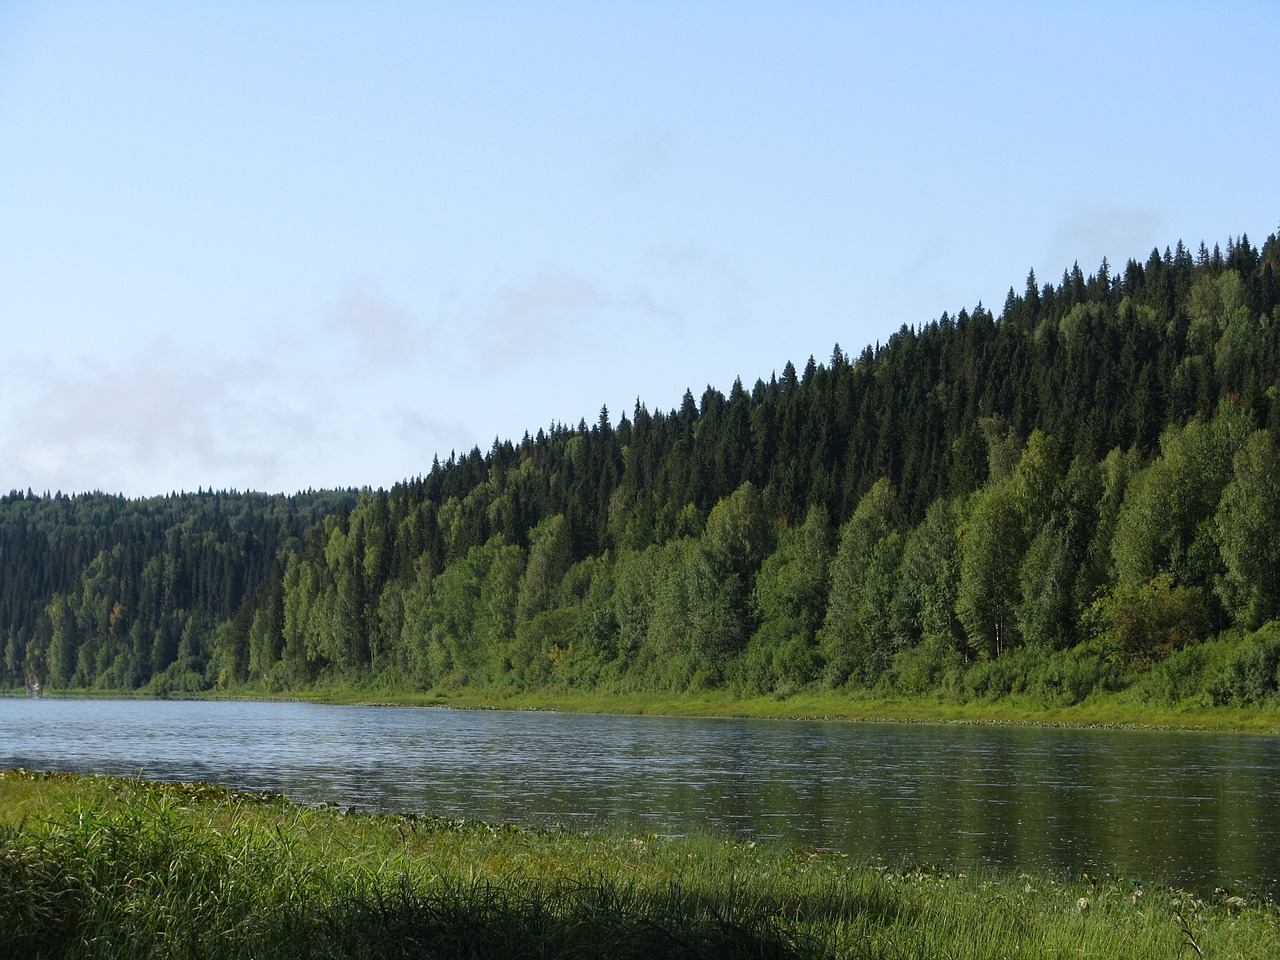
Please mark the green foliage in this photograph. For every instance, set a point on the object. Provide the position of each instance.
(1182, 677)
(632, 602)
(1245, 532)
(1139, 625)
(855, 635)
(543, 648)
(926, 630)
(1138, 517)
(1251, 674)
(1166, 521)
(992, 543)
(790, 600)
(1045, 611)
(734, 543)
(550, 555)
(1066, 677)
(1046, 678)
(676, 618)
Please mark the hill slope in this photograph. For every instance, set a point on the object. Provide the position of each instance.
(1080, 494)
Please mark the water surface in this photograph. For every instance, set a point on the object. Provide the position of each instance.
(1193, 809)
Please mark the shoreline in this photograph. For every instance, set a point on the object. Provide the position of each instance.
(822, 707)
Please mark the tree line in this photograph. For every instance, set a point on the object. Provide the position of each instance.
(1079, 494)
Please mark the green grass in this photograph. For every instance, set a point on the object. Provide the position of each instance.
(98, 867)
(1115, 710)
(1120, 709)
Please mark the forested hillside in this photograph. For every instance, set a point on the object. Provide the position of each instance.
(117, 593)
(1080, 494)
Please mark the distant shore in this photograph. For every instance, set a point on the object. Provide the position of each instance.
(1110, 713)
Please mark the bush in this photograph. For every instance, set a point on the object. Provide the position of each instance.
(1006, 674)
(1251, 674)
(928, 667)
(1060, 677)
(1183, 676)
(1069, 676)
(1145, 623)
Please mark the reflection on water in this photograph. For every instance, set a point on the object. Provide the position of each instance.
(1194, 809)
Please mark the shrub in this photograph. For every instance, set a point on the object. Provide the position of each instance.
(1251, 674)
(1142, 624)
(1180, 677)
(927, 667)
(1069, 676)
(1006, 674)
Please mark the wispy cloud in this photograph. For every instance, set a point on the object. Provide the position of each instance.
(704, 288)
(555, 311)
(362, 393)
(538, 315)
(642, 302)
(380, 331)
(162, 411)
(1103, 230)
(428, 435)
(643, 158)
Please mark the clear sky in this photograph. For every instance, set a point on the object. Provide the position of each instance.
(288, 245)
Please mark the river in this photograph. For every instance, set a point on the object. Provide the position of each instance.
(1195, 810)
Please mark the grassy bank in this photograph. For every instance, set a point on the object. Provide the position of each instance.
(1111, 711)
(1106, 711)
(96, 867)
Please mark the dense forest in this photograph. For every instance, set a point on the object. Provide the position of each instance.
(1081, 494)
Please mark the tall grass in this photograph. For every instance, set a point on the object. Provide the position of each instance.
(105, 868)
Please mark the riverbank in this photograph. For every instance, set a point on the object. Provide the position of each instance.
(1108, 712)
(1111, 712)
(102, 867)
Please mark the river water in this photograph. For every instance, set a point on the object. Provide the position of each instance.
(1196, 810)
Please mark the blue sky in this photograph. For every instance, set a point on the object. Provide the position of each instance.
(285, 245)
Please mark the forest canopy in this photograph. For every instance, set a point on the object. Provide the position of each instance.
(1081, 494)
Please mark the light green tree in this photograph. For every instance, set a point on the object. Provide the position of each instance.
(702, 602)
(667, 658)
(63, 642)
(855, 638)
(1247, 530)
(636, 574)
(1046, 578)
(790, 599)
(550, 554)
(1001, 521)
(924, 600)
(992, 544)
(494, 628)
(1165, 523)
